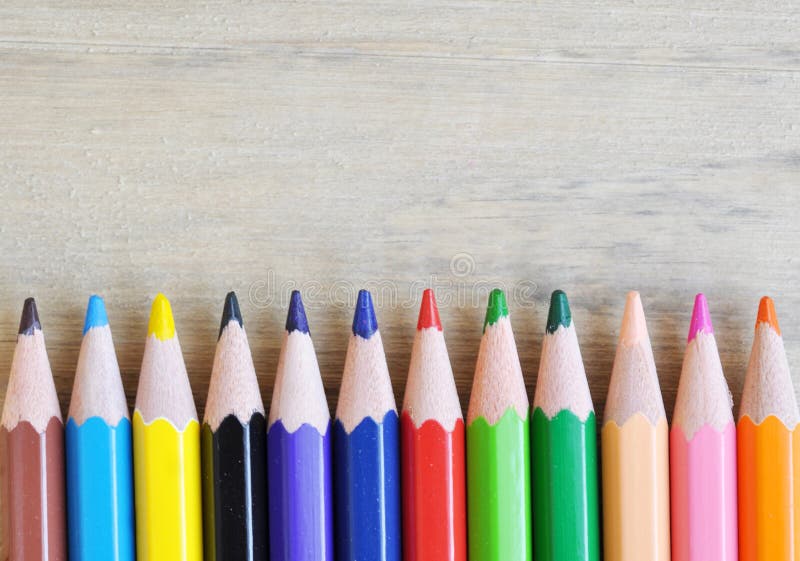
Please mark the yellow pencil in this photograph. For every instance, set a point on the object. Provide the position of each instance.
(166, 446)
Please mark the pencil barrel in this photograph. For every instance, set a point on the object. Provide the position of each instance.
(300, 494)
(703, 494)
(635, 461)
(434, 491)
(367, 490)
(100, 490)
(167, 490)
(498, 489)
(769, 490)
(235, 490)
(566, 517)
(32, 484)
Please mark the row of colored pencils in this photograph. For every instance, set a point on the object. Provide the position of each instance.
(513, 485)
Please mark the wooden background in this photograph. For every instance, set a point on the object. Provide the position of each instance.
(196, 147)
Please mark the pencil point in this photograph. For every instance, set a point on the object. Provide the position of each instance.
(496, 308)
(559, 313)
(365, 324)
(29, 321)
(634, 326)
(296, 319)
(230, 312)
(162, 324)
(766, 314)
(701, 318)
(428, 312)
(95, 313)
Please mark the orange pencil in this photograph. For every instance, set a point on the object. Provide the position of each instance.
(768, 450)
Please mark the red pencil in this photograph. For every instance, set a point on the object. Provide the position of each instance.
(432, 429)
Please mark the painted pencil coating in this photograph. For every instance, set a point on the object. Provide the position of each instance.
(366, 448)
(300, 492)
(703, 494)
(565, 504)
(498, 489)
(433, 472)
(300, 484)
(769, 490)
(99, 450)
(498, 446)
(32, 483)
(768, 449)
(635, 462)
(703, 452)
(367, 483)
(235, 490)
(34, 521)
(100, 490)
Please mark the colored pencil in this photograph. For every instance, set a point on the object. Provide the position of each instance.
(166, 449)
(33, 502)
(565, 504)
(300, 486)
(768, 450)
(234, 449)
(703, 452)
(432, 444)
(99, 450)
(498, 446)
(635, 451)
(366, 448)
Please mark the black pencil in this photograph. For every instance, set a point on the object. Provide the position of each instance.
(234, 450)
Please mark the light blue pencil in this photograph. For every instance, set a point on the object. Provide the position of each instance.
(98, 444)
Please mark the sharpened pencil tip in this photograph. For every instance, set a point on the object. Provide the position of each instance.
(95, 313)
(559, 313)
(766, 314)
(428, 312)
(496, 308)
(701, 318)
(296, 319)
(29, 320)
(634, 326)
(162, 324)
(230, 312)
(365, 324)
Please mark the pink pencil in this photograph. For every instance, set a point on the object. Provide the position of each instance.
(703, 452)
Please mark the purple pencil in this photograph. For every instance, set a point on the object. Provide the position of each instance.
(299, 452)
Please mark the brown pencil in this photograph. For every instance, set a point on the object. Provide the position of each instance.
(32, 482)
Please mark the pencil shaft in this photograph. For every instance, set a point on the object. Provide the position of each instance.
(234, 490)
(635, 460)
(703, 494)
(168, 490)
(100, 490)
(566, 521)
(434, 491)
(34, 509)
(367, 490)
(769, 490)
(499, 489)
(301, 494)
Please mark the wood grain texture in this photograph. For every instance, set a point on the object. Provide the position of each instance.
(596, 147)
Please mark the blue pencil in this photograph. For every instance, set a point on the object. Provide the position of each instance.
(366, 449)
(98, 447)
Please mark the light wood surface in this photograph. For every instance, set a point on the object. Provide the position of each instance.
(194, 148)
